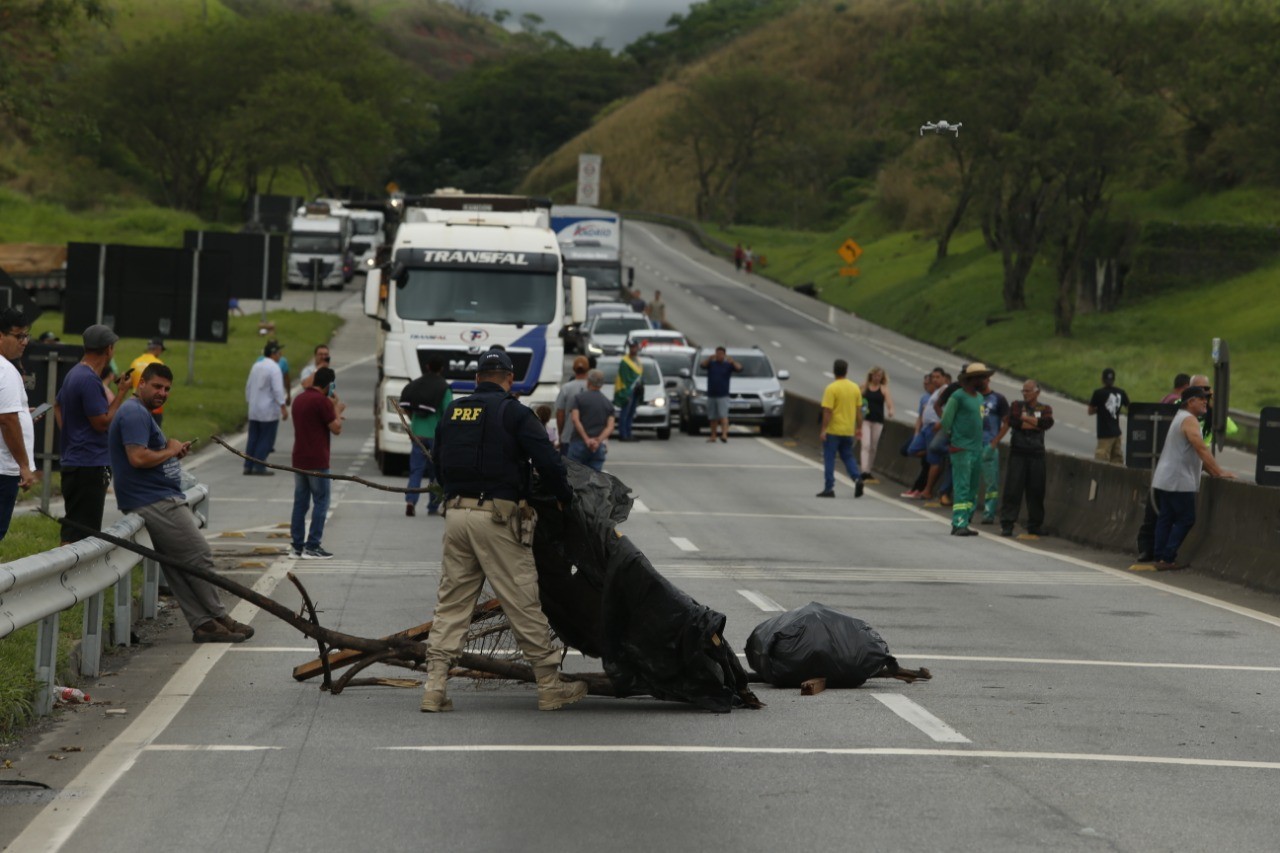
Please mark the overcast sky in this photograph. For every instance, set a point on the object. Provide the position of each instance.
(581, 22)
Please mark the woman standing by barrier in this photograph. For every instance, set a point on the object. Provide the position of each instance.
(875, 393)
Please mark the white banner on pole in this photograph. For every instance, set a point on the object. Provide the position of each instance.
(589, 179)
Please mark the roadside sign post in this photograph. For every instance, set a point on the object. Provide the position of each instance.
(589, 179)
(850, 252)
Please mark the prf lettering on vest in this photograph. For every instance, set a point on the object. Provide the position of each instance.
(467, 413)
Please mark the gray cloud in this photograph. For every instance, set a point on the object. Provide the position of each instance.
(581, 22)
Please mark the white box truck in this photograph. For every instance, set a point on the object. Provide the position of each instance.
(468, 272)
(319, 240)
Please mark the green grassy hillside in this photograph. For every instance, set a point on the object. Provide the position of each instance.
(958, 304)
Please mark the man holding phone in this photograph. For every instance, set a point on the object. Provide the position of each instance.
(148, 481)
(321, 359)
(16, 426)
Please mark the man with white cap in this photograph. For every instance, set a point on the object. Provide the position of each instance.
(85, 415)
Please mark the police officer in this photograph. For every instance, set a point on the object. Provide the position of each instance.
(483, 448)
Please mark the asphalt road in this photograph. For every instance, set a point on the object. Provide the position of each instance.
(1073, 706)
(715, 304)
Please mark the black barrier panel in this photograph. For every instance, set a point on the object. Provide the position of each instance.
(14, 295)
(272, 212)
(246, 254)
(1268, 473)
(36, 369)
(1147, 428)
(146, 291)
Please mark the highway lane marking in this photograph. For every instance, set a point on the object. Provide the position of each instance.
(638, 505)
(1073, 662)
(917, 716)
(1106, 758)
(1129, 577)
(876, 519)
(237, 649)
(58, 822)
(684, 544)
(207, 747)
(764, 602)
(748, 327)
(734, 465)
(802, 359)
(828, 374)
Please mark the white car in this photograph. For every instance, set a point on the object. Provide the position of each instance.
(607, 333)
(671, 360)
(651, 337)
(654, 412)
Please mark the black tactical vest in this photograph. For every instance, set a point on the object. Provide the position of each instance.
(478, 454)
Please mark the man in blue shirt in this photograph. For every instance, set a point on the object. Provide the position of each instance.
(719, 368)
(148, 482)
(84, 416)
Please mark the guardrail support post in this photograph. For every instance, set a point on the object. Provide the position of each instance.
(150, 588)
(122, 628)
(46, 663)
(91, 636)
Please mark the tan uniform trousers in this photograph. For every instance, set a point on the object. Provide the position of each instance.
(475, 548)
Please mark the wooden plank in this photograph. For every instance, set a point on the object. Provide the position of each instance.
(813, 686)
(348, 657)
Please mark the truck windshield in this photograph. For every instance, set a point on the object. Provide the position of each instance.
(476, 296)
(366, 226)
(316, 244)
(603, 279)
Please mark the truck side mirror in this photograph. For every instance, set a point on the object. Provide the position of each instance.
(577, 298)
(372, 292)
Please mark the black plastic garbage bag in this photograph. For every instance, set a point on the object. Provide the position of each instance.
(816, 641)
(603, 597)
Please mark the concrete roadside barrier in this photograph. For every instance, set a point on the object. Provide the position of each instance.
(1237, 532)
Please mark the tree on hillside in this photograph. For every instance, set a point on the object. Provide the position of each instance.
(500, 118)
(730, 125)
(32, 34)
(1040, 153)
(196, 122)
(706, 26)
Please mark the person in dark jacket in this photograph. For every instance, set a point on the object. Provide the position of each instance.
(423, 400)
(484, 446)
(1028, 421)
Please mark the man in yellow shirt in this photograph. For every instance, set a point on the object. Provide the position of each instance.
(841, 421)
(155, 346)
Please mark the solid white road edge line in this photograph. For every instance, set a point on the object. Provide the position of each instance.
(60, 820)
(764, 602)
(1062, 558)
(917, 716)
(869, 751)
(208, 747)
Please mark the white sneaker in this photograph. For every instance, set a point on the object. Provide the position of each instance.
(316, 553)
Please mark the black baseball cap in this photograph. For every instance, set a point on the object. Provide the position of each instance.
(1194, 392)
(272, 348)
(156, 342)
(495, 360)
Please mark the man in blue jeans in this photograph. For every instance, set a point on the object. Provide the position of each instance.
(424, 399)
(268, 400)
(841, 421)
(315, 418)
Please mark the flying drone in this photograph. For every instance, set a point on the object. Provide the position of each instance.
(941, 127)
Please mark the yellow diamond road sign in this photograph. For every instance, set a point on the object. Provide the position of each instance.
(850, 251)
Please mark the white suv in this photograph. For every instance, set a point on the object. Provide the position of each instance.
(755, 394)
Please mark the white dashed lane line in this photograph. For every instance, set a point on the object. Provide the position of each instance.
(764, 602)
(920, 718)
(684, 544)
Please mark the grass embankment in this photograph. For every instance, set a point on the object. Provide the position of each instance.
(958, 305)
(214, 404)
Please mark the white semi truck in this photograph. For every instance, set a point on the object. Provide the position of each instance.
(468, 272)
(319, 240)
(591, 242)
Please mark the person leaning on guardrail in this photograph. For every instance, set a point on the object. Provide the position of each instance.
(17, 430)
(148, 482)
(84, 415)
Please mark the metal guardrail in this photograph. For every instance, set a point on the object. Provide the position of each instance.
(37, 588)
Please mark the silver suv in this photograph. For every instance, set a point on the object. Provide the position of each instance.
(755, 394)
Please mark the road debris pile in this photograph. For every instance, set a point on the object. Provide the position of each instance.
(603, 597)
(818, 642)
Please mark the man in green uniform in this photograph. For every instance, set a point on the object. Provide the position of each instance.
(484, 446)
(962, 421)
